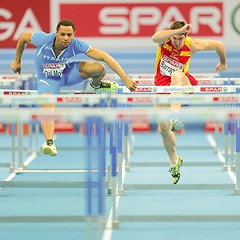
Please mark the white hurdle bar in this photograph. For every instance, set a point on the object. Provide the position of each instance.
(200, 81)
(184, 89)
(114, 76)
(149, 89)
(216, 98)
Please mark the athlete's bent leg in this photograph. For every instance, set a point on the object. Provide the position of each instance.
(94, 70)
(178, 78)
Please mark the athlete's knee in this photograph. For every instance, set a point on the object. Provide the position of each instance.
(47, 106)
(177, 77)
(92, 69)
(164, 129)
(99, 68)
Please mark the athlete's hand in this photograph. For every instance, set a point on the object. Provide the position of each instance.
(16, 66)
(220, 67)
(186, 28)
(130, 83)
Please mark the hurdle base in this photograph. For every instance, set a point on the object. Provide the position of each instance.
(21, 168)
(127, 167)
(12, 169)
(237, 191)
(233, 167)
(226, 167)
(109, 190)
(115, 224)
(120, 192)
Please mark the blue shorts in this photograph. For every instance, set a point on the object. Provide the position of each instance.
(69, 78)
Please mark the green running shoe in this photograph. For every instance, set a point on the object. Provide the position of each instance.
(176, 124)
(106, 86)
(175, 171)
(50, 150)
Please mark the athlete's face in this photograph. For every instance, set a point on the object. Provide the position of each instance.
(64, 36)
(178, 41)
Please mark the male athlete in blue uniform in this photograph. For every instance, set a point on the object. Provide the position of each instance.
(57, 64)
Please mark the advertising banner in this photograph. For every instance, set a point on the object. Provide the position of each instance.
(118, 24)
(20, 16)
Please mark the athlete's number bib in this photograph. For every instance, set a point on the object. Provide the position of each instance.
(53, 69)
(169, 65)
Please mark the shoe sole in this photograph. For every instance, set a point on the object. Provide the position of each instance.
(48, 151)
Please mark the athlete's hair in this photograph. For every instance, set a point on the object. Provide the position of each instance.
(177, 25)
(66, 23)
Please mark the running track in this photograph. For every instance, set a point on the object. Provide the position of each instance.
(201, 206)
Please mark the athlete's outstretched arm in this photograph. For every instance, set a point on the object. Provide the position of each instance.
(209, 45)
(100, 55)
(24, 39)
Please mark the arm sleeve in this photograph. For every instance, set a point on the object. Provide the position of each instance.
(41, 38)
(81, 46)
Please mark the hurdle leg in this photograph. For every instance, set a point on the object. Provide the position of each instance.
(20, 146)
(232, 132)
(126, 146)
(13, 160)
(109, 189)
(115, 222)
(37, 138)
(109, 168)
(100, 131)
(216, 134)
(30, 139)
(120, 159)
(225, 140)
(237, 172)
(130, 138)
(95, 211)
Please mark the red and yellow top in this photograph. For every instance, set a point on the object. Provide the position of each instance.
(169, 60)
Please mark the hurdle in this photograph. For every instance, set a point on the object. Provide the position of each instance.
(122, 115)
(126, 98)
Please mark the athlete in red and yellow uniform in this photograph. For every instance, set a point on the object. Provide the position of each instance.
(174, 51)
(169, 59)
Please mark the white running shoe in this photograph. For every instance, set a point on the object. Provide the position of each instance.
(176, 124)
(50, 150)
(106, 86)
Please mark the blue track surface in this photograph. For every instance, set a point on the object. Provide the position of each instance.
(201, 206)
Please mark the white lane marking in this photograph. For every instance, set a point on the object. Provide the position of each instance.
(221, 157)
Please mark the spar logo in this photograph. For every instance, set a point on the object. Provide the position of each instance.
(140, 18)
(143, 89)
(16, 93)
(139, 99)
(236, 19)
(70, 99)
(213, 89)
(144, 81)
(226, 99)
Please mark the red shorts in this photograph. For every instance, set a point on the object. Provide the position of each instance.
(161, 80)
